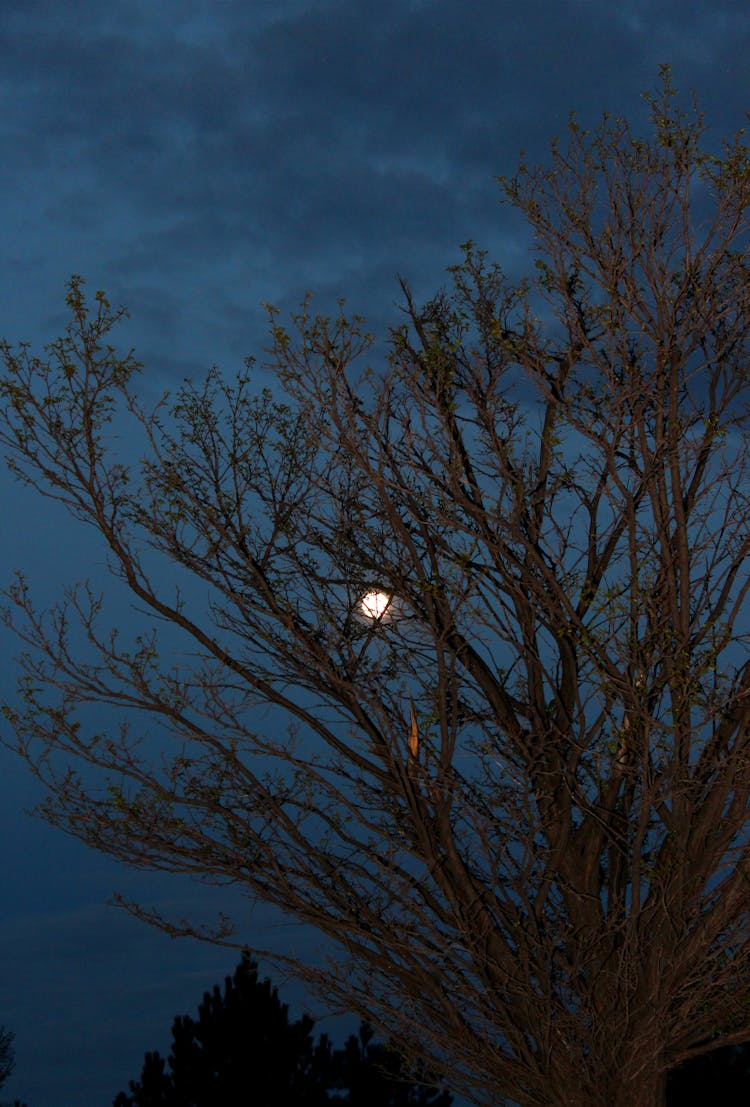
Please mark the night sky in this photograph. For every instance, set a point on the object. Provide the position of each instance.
(193, 159)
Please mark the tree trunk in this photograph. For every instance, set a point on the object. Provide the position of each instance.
(646, 1089)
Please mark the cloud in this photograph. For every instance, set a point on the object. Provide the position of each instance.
(193, 160)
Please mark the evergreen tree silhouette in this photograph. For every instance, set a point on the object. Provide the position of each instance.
(7, 1056)
(243, 1051)
(7, 1062)
(375, 1076)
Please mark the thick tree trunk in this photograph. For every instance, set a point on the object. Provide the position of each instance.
(651, 1093)
(646, 1089)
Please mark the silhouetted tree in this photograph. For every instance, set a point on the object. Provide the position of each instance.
(7, 1062)
(7, 1056)
(721, 1076)
(375, 1075)
(243, 1052)
(515, 788)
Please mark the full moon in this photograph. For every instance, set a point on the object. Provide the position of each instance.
(375, 604)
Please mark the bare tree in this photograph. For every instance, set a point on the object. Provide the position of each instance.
(515, 791)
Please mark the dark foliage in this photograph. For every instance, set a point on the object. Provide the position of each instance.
(7, 1062)
(722, 1076)
(376, 1076)
(7, 1058)
(242, 1050)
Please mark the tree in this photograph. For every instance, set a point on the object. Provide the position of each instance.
(243, 1050)
(722, 1074)
(374, 1074)
(514, 794)
(7, 1060)
(7, 1055)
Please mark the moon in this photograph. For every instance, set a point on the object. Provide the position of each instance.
(375, 604)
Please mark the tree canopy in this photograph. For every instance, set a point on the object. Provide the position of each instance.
(7, 1055)
(243, 1050)
(7, 1061)
(514, 792)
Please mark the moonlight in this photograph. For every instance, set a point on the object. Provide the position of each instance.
(375, 604)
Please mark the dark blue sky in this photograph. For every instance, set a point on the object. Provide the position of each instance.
(194, 159)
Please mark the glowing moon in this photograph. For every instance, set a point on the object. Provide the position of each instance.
(375, 604)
